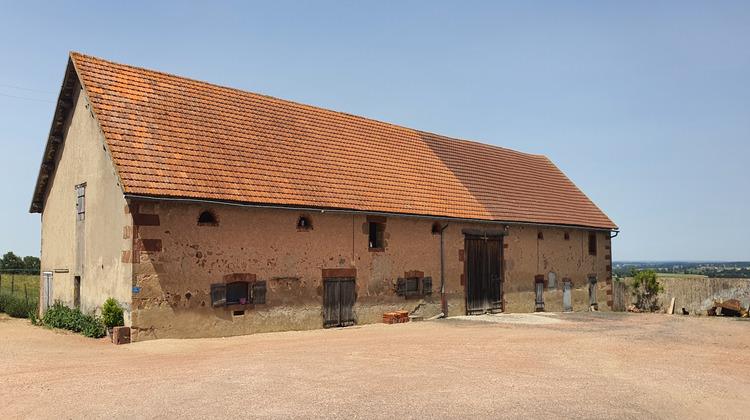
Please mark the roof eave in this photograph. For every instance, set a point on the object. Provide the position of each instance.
(195, 200)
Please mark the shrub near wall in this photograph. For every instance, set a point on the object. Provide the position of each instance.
(60, 316)
(17, 306)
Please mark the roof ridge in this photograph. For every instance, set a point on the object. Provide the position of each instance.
(247, 92)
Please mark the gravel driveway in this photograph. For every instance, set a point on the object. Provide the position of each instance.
(573, 365)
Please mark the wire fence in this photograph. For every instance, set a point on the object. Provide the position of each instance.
(20, 281)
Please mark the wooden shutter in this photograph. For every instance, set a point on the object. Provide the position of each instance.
(427, 286)
(218, 295)
(401, 287)
(259, 293)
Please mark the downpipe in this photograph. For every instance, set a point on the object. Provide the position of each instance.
(443, 308)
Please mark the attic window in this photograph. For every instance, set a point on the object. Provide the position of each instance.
(592, 243)
(207, 218)
(375, 228)
(304, 223)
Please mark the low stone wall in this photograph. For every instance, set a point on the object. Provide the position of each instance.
(696, 295)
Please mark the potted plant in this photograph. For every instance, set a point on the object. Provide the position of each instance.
(112, 316)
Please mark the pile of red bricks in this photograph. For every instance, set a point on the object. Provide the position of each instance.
(396, 317)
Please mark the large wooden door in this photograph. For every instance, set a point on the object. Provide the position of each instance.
(484, 274)
(338, 302)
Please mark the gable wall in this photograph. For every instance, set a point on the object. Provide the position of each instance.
(90, 248)
(175, 261)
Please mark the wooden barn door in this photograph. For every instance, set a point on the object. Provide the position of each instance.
(484, 274)
(338, 302)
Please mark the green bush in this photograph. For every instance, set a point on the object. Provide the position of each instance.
(646, 287)
(60, 316)
(16, 306)
(112, 314)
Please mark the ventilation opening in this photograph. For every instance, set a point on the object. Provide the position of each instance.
(540, 235)
(207, 218)
(567, 236)
(304, 223)
(436, 228)
(238, 313)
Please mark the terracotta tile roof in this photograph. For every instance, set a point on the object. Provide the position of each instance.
(177, 137)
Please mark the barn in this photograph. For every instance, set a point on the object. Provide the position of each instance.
(210, 211)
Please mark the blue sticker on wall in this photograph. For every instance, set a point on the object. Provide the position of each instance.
(136, 289)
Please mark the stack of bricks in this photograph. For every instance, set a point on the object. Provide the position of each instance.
(396, 317)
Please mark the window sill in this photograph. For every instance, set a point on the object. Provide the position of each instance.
(238, 307)
(376, 249)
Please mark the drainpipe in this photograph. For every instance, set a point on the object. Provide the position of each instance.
(442, 270)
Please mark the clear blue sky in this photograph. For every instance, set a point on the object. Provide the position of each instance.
(645, 105)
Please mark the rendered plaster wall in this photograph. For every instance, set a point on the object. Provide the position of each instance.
(175, 261)
(89, 248)
(539, 251)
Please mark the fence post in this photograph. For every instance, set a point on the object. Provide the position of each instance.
(25, 292)
(12, 283)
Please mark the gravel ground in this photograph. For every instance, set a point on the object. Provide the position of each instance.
(573, 365)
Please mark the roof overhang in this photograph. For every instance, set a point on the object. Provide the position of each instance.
(63, 108)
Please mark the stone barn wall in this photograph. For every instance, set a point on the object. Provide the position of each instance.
(176, 260)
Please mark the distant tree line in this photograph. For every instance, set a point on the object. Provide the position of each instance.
(12, 263)
(739, 269)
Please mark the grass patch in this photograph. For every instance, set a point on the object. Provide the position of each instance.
(19, 294)
(18, 282)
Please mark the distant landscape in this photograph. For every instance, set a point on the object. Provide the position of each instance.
(713, 269)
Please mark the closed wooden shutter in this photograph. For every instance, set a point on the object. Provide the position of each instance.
(259, 293)
(401, 286)
(427, 286)
(218, 295)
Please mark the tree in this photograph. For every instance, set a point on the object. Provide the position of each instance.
(32, 264)
(646, 287)
(11, 261)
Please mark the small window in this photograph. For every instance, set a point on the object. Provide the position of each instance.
(414, 286)
(376, 231)
(592, 243)
(567, 236)
(207, 218)
(238, 293)
(81, 201)
(540, 235)
(304, 223)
